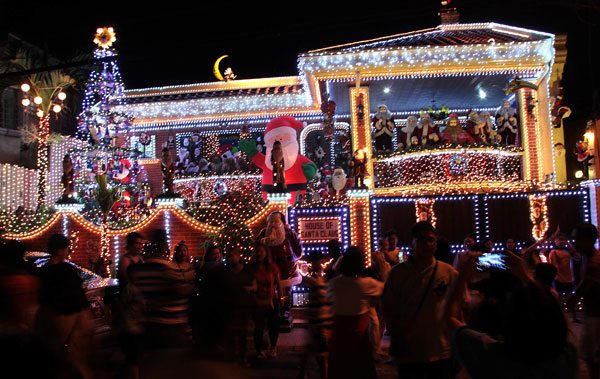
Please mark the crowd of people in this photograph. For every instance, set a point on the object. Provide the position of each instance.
(447, 315)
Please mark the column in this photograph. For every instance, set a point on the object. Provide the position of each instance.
(360, 221)
(361, 126)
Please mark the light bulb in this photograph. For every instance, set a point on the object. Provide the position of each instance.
(25, 87)
(40, 113)
(56, 108)
(38, 100)
(62, 96)
(25, 102)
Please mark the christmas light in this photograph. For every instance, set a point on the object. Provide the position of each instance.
(448, 166)
(233, 107)
(17, 187)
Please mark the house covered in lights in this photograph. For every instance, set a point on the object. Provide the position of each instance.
(455, 122)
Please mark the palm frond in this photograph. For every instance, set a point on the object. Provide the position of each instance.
(106, 197)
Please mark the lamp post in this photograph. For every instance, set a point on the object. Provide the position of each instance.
(43, 99)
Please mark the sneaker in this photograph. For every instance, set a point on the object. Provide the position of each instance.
(272, 354)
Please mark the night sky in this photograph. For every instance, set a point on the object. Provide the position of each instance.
(177, 43)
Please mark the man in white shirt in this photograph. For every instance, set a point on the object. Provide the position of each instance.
(412, 300)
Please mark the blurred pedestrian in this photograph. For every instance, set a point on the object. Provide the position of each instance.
(268, 297)
(412, 300)
(351, 352)
(64, 319)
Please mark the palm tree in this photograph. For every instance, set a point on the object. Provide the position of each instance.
(106, 197)
(46, 85)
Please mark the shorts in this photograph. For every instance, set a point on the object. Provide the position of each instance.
(590, 338)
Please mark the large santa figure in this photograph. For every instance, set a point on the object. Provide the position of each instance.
(409, 135)
(507, 123)
(427, 131)
(298, 169)
(384, 125)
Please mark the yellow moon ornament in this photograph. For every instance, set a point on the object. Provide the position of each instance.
(216, 70)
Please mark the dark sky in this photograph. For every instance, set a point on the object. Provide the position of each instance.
(177, 42)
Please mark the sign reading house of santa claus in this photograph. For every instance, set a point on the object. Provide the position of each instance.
(319, 229)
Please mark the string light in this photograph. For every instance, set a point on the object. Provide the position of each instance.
(15, 187)
(340, 213)
(452, 166)
(233, 107)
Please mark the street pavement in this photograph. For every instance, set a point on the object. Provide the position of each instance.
(179, 363)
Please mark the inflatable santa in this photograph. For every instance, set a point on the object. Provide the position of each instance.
(297, 168)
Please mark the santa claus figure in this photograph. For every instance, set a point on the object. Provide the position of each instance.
(298, 169)
(285, 249)
(384, 125)
(476, 128)
(507, 123)
(409, 134)
(427, 131)
(338, 180)
(454, 133)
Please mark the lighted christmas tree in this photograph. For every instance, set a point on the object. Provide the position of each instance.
(98, 121)
(236, 234)
(107, 169)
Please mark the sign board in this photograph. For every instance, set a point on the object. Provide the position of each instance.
(319, 229)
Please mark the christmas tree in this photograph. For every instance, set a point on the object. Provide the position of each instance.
(236, 234)
(104, 90)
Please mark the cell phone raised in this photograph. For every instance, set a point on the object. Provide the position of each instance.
(491, 260)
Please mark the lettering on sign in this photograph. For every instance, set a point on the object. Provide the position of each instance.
(319, 230)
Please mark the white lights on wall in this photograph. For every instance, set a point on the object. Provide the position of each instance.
(216, 106)
(18, 187)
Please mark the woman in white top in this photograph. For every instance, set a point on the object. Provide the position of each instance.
(350, 349)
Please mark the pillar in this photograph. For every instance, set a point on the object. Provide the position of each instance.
(360, 221)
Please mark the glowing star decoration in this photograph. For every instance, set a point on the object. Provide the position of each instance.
(105, 37)
(538, 213)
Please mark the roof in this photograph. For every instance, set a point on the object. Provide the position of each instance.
(443, 35)
(234, 88)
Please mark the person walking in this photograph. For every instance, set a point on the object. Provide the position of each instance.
(412, 300)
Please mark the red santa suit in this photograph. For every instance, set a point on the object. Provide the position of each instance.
(298, 168)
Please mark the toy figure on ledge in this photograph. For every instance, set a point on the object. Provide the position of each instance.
(409, 134)
(507, 123)
(384, 125)
(358, 165)
(67, 178)
(278, 164)
(338, 180)
(299, 170)
(584, 156)
(328, 110)
(168, 170)
(454, 133)
(427, 131)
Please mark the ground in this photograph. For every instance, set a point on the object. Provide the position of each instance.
(174, 363)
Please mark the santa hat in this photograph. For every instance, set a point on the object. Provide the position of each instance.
(280, 124)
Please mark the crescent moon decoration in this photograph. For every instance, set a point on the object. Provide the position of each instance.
(216, 70)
